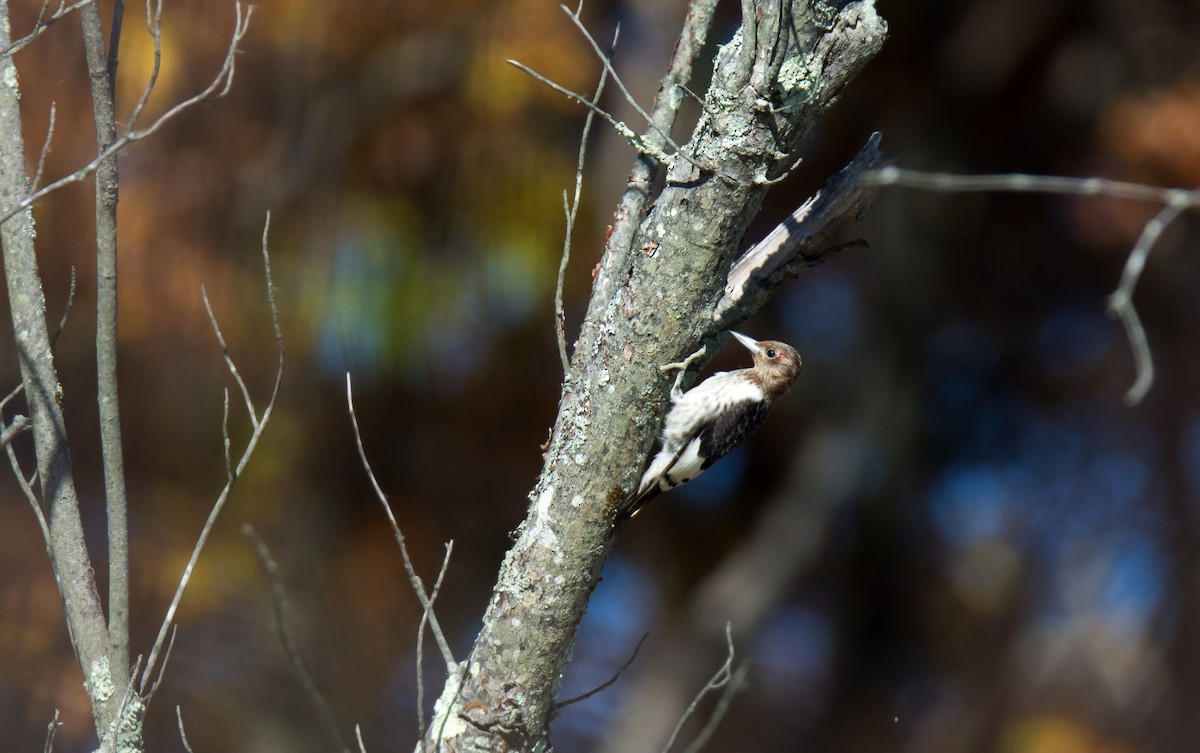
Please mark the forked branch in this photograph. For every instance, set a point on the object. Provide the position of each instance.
(418, 585)
(726, 679)
(1120, 303)
(259, 424)
(43, 23)
(216, 89)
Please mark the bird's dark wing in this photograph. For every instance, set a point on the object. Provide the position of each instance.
(730, 429)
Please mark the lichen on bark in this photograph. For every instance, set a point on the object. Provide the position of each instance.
(660, 277)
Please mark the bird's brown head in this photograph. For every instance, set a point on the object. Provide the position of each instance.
(776, 364)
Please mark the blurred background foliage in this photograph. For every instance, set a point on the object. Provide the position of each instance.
(953, 536)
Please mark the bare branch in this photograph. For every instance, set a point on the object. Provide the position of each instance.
(69, 556)
(627, 133)
(425, 614)
(414, 579)
(43, 22)
(19, 425)
(1120, 302)
(719, 680)
(125, 712)
(244, 459)
(798, 241)
(606, 61)
(225, 441)
(646, 307)
(728, 692)
(51, 728)
(216, 89)
(62, 322)
(41, 163)
(25, 484)
(608, 683)
(1022, 183)
(11, 396)
(30, 495)
(154, 29)
(182, 735)
(237, 377)
(103, 90)
(162, 667)
(270, 568)
(571, 209)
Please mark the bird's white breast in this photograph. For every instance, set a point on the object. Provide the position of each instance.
(704, 402)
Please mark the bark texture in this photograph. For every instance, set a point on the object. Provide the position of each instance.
(660, 279)
(43, 395)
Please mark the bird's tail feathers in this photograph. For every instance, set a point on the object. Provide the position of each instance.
(649, 487)
(634, 502)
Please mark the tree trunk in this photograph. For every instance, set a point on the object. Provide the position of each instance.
(654, 301)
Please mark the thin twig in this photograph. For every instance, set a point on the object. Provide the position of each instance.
(1023, 183)
(606, 61)
(30, 495)
(1120, 302)
(461, 676)
(41, 163)
(730, 690)
(697, 99)
(433, 594)
(609, 683)
(571, 209)
(62, 322)
(25, 484)
(182, 734)
(42, 24)
(619, 126)
(225, 442)
(51, 728)
(237, 377)
(129, 695)
(11, 396)
(415, 580)
(217, 88)
(244, 460)
(154, 29)
(279, 602)
(162, 667)
(718, 681)
(763, 181)
(19, 425)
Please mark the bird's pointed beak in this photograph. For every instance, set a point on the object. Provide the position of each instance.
(750, 343)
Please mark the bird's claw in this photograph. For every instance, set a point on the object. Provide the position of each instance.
(682, 367)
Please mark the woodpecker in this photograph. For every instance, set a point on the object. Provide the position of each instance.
(709, 420)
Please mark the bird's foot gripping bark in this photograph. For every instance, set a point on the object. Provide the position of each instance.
(682, 367)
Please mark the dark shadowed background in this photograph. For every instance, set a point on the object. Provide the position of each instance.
(951, 536)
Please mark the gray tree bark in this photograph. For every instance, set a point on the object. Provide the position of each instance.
(102, 645)
(660, 291)
(68, 551)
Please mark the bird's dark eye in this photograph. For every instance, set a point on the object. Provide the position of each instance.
(772, 353)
